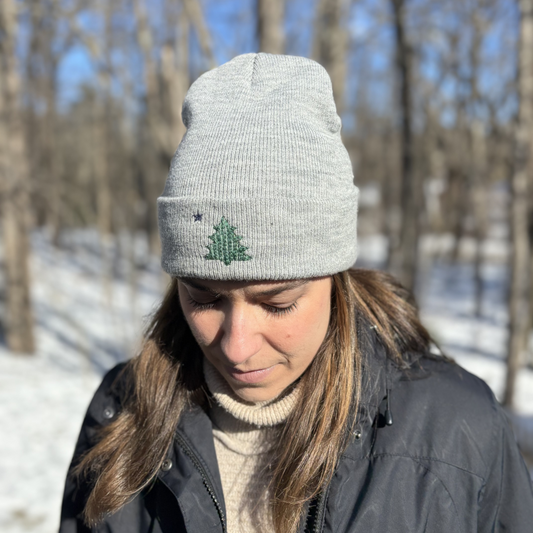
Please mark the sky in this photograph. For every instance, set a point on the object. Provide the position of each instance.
(371, 59)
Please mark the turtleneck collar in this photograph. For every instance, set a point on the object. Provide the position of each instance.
(261, 414)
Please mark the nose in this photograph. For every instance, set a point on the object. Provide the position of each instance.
(241, 338)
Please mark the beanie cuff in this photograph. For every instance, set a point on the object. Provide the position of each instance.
(257, 238)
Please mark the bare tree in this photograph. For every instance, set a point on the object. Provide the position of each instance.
(14, 191)
(196, 18)
(476, 161)
(166, 80)
(165, 121)
(520, 267)
(101, 133)
(270, 26)
(478, 191)
(47, 45)
(331, 43)
(404, 253)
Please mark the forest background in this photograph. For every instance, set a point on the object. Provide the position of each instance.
(436, 99)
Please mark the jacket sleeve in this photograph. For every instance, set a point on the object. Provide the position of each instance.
(506, 501)
(101, 411)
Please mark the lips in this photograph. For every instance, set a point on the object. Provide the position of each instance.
(251, 376)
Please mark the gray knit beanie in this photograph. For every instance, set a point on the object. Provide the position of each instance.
(261, 186)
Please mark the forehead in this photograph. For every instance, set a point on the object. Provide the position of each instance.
(256, 288)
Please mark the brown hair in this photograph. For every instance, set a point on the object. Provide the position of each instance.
(166, 376)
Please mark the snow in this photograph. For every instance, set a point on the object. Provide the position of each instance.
(86, 322)
(84, 326)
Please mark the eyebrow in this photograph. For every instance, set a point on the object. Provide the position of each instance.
(290, 285)
(282, 288)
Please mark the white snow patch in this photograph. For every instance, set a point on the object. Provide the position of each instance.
(84, 326)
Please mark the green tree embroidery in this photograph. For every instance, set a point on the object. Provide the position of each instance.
(226, 246)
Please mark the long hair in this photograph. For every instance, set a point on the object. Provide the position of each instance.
(167, 376)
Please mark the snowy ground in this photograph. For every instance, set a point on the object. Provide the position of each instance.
(86, 323)
(84, 326)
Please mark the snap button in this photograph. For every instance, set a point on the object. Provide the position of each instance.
(357, 434)
(166, 465)
(109, 413)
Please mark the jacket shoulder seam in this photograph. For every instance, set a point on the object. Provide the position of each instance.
(418, 458)
(425, 467)
(443, 485)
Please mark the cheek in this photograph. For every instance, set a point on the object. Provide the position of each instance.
(202, 330)
(301, 337)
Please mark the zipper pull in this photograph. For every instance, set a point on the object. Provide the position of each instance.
(388, 412)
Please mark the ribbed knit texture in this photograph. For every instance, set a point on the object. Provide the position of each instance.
(244, 435)
(263, 151)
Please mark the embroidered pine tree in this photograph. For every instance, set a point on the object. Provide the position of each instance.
(226, 245)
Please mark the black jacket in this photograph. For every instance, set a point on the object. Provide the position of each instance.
(447, 464)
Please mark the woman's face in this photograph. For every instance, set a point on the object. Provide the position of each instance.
(261, 336)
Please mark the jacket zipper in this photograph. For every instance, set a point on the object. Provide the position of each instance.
(191, 454)
(318, 526)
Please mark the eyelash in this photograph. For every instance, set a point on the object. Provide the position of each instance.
(270, 309)
(198, 305)
(278, 311)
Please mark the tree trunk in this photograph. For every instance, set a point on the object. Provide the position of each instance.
(42, 69)
(194, 13)
(528, 344)
(331, 43)
(164, 95)
(101, 138)
(53, 160)
(404, 255)
(270, 28)
(164, 116)
(101, 168)
(14, 175)
(477, 158)
(175, 80)
(479, 201)
(520, 268)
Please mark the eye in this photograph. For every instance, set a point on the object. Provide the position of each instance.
(201, 306)
(273, 310)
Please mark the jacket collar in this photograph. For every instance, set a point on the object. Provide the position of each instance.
(380, 376)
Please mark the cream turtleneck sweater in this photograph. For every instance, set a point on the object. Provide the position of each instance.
(245, 434)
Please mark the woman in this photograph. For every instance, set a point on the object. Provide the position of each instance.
(278, 390)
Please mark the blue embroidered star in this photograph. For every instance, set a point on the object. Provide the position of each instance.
(198, 217)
